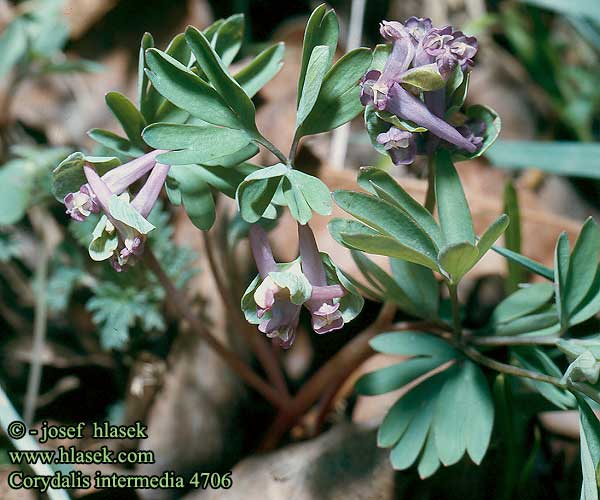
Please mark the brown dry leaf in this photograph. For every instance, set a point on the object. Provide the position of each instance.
(81, 15)
(341, 464)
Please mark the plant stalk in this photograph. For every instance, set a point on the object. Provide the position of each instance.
(261, 350)
(179, 302)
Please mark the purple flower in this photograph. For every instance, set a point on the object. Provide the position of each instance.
(408, 107)
(325, 315)
(417, 27)
(83, 202)
(464, 48)
(273, 301)
(280, 325)
(400, 145)
(131, 232)
(473, 131)
(447, 48)
(392, 30)
(375, 85)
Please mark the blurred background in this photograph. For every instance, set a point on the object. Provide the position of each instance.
(79, 342)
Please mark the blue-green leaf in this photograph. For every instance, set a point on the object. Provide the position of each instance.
(257, 73)
(321, 29)
(188, 91)
(577, 159)
(315, 72)
(129, 117)
(453, 210)
(231, 92)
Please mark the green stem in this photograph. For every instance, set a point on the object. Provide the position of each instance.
(294, 148)
(271, 147)
(456, 327)
(512, 341)
(430, 196)
(476, 356)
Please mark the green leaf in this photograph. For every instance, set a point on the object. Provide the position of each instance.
(222, 81)
(146, 43)
(339, 97)
(399, 123)
(16, 183)
(459, 94)
(590, 305)
(103, 243)
(207, 142)
(584, 256)
(579, 8)
(395, 376)
(305, 193)
(129, 117)
(404, 412)
(355, 235)
(523, 302)
(380, 56)
(536, 360)
(388, 288)
(121, 210)
(453, 210)
(375, 126)
(68, 177)
(561, 268)
(408, 448)
(194, 193)
(389, 220)
(155, 105)
(463, 415)
(526, 262)
(255, 193)
(493, 126)
(387, 188)
(419, 283)
(116, 310)
(425, 78)
(298, 285)
(574, 159)
(315, 72)
(457, 259)
(256, 74)
(115, 142)
(512, 236)
(295, 201)
(13, 45)
(188, 91)
(492, 233)
(228, 38)
(413, 344)
(530, 323)
(429, 462)
(351, 303)
(589, 432)
(321, 29)
(225, 179)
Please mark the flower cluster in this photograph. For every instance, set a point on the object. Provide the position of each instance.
(275, 298)
(423, 59)
(121, 232)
